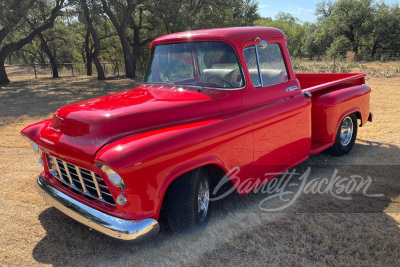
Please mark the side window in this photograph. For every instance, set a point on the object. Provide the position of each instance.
(250, 54)
(272, 65)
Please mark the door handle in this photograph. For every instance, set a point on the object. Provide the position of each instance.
(292, 88)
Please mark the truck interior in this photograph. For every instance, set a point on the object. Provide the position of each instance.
(210, 64)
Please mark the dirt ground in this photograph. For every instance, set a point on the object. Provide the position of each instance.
(318, 229)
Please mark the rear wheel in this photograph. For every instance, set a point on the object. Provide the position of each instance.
(188, 206)
(346, 135)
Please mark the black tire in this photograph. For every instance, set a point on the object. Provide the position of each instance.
(344, 145)
(182, 201)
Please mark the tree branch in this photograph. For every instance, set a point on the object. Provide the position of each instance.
(12, 47)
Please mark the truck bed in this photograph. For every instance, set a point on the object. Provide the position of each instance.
(312, 82)
(330, 103)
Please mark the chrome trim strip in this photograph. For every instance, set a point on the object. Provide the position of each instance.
(75, 174)
(96, 185)
(102, 222)
(80, 178)
(85, 172)
(292, 88)
(57, 167)
(67, 171)
(89, 181)
(258, 67)
(108, 194)
(92, 188)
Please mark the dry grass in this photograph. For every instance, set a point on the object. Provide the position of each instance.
(317, 230)
(388, 69)
(23, 73)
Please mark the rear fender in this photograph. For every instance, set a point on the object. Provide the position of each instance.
(351, 111)
(329, 108)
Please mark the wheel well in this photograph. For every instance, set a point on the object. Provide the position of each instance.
(217, 173)
(358, 115)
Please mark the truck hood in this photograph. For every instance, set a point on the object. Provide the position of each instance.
(79, 130)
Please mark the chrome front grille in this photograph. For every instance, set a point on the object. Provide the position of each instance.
(81, 180)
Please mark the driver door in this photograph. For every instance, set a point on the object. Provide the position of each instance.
(280, 113)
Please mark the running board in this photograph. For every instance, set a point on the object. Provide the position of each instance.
(317, 147)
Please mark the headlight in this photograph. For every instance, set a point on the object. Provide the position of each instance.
(35, 147)
(50, 163)
(114, 178)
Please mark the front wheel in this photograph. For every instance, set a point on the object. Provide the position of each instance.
(188, 206)
(346, 135)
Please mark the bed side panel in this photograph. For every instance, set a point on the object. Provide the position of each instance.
(329, 108)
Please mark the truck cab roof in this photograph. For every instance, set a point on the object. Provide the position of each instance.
(234, 35)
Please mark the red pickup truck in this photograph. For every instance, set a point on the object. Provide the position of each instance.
(211, 100)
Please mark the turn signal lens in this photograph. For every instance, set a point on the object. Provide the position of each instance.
(121, 200)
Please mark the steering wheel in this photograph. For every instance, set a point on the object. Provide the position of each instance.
(220, 79)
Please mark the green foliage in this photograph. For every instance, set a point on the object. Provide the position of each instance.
(367, 29)
(291, 26)
(360, 26)
(182, 15)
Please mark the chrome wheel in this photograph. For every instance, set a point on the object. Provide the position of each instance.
(346, 131)
(203, 199)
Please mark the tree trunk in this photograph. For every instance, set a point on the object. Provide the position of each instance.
(41, 57)
(10, 60)
(136, 48)
(374, 49)
(88, 53)
(136, 55)
(355, 48)
(7, 49)
(99, 68)
(121, 29)
(52, 59)
(128, 58)
(3, 74)
(89, 67)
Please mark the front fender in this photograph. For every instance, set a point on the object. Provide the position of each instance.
(33, 130)
(150, 161)
(187, 167)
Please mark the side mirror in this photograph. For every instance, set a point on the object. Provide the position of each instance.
(263, 43)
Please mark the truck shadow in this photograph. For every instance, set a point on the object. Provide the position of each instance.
(37, 98)
(317, 227)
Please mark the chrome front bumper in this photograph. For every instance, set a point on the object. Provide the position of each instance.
(104, 223)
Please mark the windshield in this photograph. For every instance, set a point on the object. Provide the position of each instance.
(208, 64)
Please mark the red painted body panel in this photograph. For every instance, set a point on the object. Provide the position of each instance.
(234, 36)
(82, 128)
(153, 134)
(312, 82)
